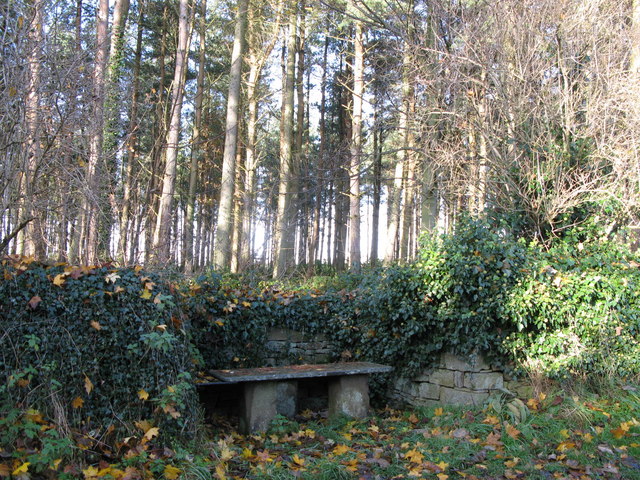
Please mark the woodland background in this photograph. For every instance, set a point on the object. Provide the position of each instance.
(318, 133)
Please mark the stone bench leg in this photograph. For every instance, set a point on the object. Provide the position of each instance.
(349, 395)
(258, 406)
(263, 400)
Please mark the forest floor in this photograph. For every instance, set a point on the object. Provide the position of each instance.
(558, 436)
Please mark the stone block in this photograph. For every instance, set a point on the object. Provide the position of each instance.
(474, 363)
(522, 390)
(442, 377)
(452, 396)
(258, 406)
(284, 335)
(483, 380)
(349, 395)
(458, 379)
(428, 391)
(287, 398)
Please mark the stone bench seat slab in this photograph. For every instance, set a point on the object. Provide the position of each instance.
(296, 372)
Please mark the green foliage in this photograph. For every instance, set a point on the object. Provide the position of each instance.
(230, 322)
(95, 348)
(577, 311)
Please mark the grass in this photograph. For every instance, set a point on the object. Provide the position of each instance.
(561, 436)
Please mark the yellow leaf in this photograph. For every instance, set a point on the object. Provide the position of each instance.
(443, 466)
(340, 450)
(247, 453)
(171, 472)
(226, 454)
(438, 411)
(414, 456)
(564, 446)
(143, 395)
(588, 437)
(162, 328)
(442, 476)
(491, 420)
(144, 425)
(24, 382)
(297, 460)
(88, 386)
(146, 294)
(618, 432)
(246, 304)
(56, 463)
(77, 402)
(512, 431)
(219, 323)
(221, 472)
(90, 472)
(512, 463)
(413, 419)
(152, 432)
(24, 468)
(96, 325)
(564, 433)
(118, 289)
(59, 279)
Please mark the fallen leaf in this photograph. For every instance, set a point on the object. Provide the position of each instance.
(171, 472)
(152, 432)
(88, 386)
(5, 471)
(438, 411)
(512, 431)
(143, 395)
(146, 294)
(35, 300)
(340, 450)
(414, 456)
(24, 468)
(96, 325)
(59, 279)
(77, 402)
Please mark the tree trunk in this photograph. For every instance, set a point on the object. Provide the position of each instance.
(356, 151)
(33, 241)
(131, 148)
(314, 251)
(377, 185)
(635, 37)
(93, 176)
(222, 247)
(285, 226)
(162, 231)
(196, 149)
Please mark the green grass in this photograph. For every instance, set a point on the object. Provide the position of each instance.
(562, 436)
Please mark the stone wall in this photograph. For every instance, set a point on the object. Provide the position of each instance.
(286, 347)
(454, 381)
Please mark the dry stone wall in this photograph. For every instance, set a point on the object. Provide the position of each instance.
(286, 347)
(454, 381)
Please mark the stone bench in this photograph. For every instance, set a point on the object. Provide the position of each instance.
(273, 390)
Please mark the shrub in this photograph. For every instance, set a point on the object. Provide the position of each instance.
(95, 348)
